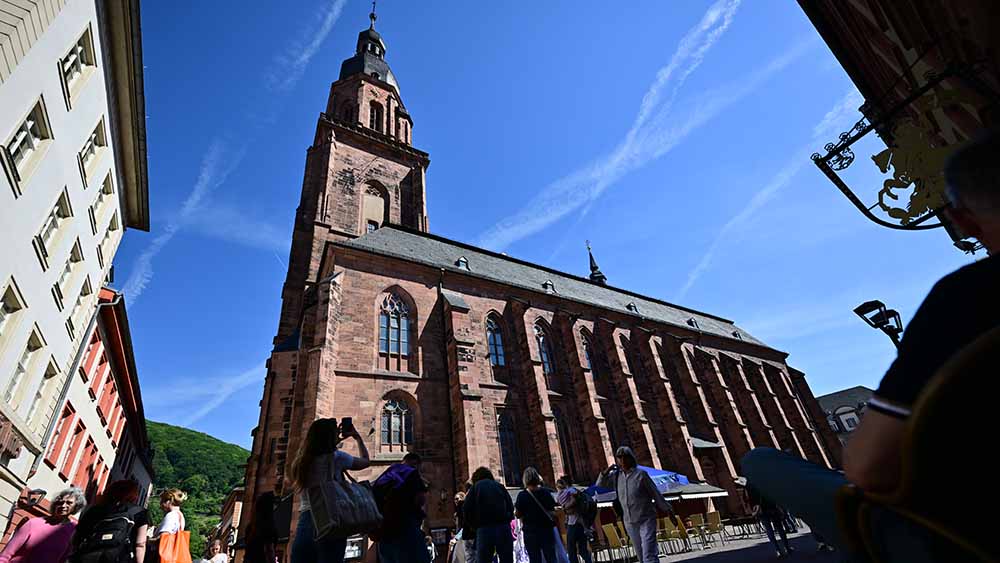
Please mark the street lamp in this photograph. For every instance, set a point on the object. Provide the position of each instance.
(877, 316)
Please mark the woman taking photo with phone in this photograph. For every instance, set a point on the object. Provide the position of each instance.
(318, 461)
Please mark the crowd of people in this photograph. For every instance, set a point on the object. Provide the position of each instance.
(115, 529)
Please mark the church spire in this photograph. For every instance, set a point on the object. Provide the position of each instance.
(372, 16)
(596, 275)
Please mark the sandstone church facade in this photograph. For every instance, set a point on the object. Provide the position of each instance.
(473, 358)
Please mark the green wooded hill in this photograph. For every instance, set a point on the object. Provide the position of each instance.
(202, 466)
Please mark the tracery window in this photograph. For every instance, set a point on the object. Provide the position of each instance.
(510, 455)
(397, 424)
(544, 353)
(494, 340)
(393, 331)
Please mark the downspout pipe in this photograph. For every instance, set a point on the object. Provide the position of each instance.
(69, 382)
(444, 357)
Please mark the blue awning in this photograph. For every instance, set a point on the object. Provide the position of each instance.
(666, 482)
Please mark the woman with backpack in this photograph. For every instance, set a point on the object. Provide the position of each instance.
(318, 461)
(46, 539)
(573, 503)
(114, 529)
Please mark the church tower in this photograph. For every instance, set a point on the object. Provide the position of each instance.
(362, 171)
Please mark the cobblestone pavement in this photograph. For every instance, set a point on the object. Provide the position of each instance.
(756, 550)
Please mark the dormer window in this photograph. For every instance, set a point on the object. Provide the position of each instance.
(548, 286)
(462, 263)
(372, 226)
(376, 76)
(692, 322)
(631, 306)
(737, 335)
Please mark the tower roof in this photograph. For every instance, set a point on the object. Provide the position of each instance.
(369, 58)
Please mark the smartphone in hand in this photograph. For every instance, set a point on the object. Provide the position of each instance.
(346, 427)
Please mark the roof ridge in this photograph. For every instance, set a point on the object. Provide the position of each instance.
(523, 262)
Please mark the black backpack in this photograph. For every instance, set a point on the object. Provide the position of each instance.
(110, 539)
(586, 507)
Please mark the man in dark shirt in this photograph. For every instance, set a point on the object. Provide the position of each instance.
(488, 511)
(962, 306)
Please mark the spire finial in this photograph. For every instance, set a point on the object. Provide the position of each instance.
(596, 275)
(372, 16)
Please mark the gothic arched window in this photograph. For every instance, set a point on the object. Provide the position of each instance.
(565, 443)
(393, 331)
(510, 455)
(494, 340)
(588, 359)
(544, 353)
(375, 116)
(397, 424)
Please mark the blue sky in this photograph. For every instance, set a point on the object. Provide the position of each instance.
(673, 135)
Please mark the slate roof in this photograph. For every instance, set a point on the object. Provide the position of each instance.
(439, 252)
(845, 398)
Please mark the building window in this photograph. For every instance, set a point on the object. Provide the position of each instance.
(77, 65)
(393, 331)
(397, 424)
(92, 149)
(543, 351)
(26, 146)
(372, 226)
(588, 360)
(47, 237)
(61, 287)
(75, 321)
(10, 304)
(565, 443)
(45, 391)
(107, 243)
(18, 383)
(510, 455)
(62, 433)
(375, 116)
(104, 194)
(494, 339)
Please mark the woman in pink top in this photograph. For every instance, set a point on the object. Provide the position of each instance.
(46, 540)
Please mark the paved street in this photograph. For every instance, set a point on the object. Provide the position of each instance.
(756, 550)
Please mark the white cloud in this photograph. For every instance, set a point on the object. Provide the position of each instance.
(224, 222)
(289, 67)
(655, 131)
(216, 165)
(215, 391)
(841, 115)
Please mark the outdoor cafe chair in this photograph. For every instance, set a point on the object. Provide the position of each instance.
(684, 532)
(715, 526)
(616, 547)
(667, 534)
(698, 524)
(622, 533)
(941, 429)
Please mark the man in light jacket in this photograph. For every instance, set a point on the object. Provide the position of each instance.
(639, 499)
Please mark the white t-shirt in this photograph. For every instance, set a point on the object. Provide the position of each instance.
(220, 558)
(320, 472)
(171, 523)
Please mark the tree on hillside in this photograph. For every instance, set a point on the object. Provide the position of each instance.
(202, 466)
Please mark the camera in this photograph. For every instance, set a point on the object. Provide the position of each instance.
(346, 427)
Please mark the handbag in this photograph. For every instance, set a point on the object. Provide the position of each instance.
(343, 508)
(176, 547)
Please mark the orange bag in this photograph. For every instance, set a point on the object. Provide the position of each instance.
(175, 548)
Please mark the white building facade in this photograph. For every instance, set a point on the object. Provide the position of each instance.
(72, 179)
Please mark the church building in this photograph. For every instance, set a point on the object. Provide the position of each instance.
(473, 358)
